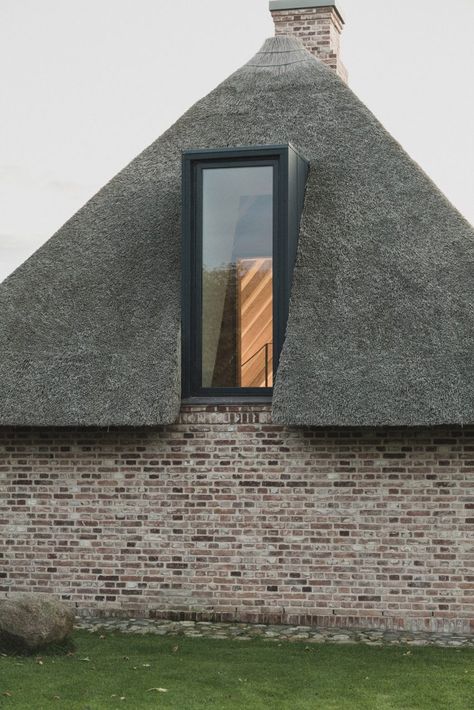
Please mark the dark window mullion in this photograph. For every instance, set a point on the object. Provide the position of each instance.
(277, 263)
(196, 291)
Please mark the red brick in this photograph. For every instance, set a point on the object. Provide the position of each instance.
(243, 520)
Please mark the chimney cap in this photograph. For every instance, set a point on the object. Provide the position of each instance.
(303, 4)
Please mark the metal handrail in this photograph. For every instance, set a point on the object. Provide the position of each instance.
(265, 347)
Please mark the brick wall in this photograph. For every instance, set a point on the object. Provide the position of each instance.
(319, 28)
(227, 516)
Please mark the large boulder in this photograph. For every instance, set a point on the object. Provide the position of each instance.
(30, 621)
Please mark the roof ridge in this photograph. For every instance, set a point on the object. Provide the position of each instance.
(280, 51)
(275, 50)
(274, 66)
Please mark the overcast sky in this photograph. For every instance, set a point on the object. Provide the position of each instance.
(87, 84)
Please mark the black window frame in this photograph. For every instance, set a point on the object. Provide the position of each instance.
(290, 171)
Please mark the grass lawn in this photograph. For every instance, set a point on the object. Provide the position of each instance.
(123, 671)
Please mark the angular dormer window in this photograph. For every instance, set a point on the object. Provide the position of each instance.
(241, 212)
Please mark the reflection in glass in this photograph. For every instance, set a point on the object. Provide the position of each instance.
(237, 301)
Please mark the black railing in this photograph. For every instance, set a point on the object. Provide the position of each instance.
(266, 347)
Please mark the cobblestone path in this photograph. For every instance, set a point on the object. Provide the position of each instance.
(247, 632)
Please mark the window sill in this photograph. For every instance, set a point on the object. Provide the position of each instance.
(227, 400)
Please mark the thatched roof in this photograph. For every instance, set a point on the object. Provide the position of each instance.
(381, 324)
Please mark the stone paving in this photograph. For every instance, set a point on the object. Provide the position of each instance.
(247, 632)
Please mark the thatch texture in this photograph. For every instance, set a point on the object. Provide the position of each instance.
(381, 323)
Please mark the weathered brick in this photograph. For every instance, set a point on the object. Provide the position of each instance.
(244, 520)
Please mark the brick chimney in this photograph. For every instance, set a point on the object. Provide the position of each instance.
(318, 23)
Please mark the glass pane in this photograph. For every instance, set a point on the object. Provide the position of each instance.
(237, 293)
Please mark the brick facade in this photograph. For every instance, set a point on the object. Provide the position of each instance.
(319, 28)
(227, 516)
